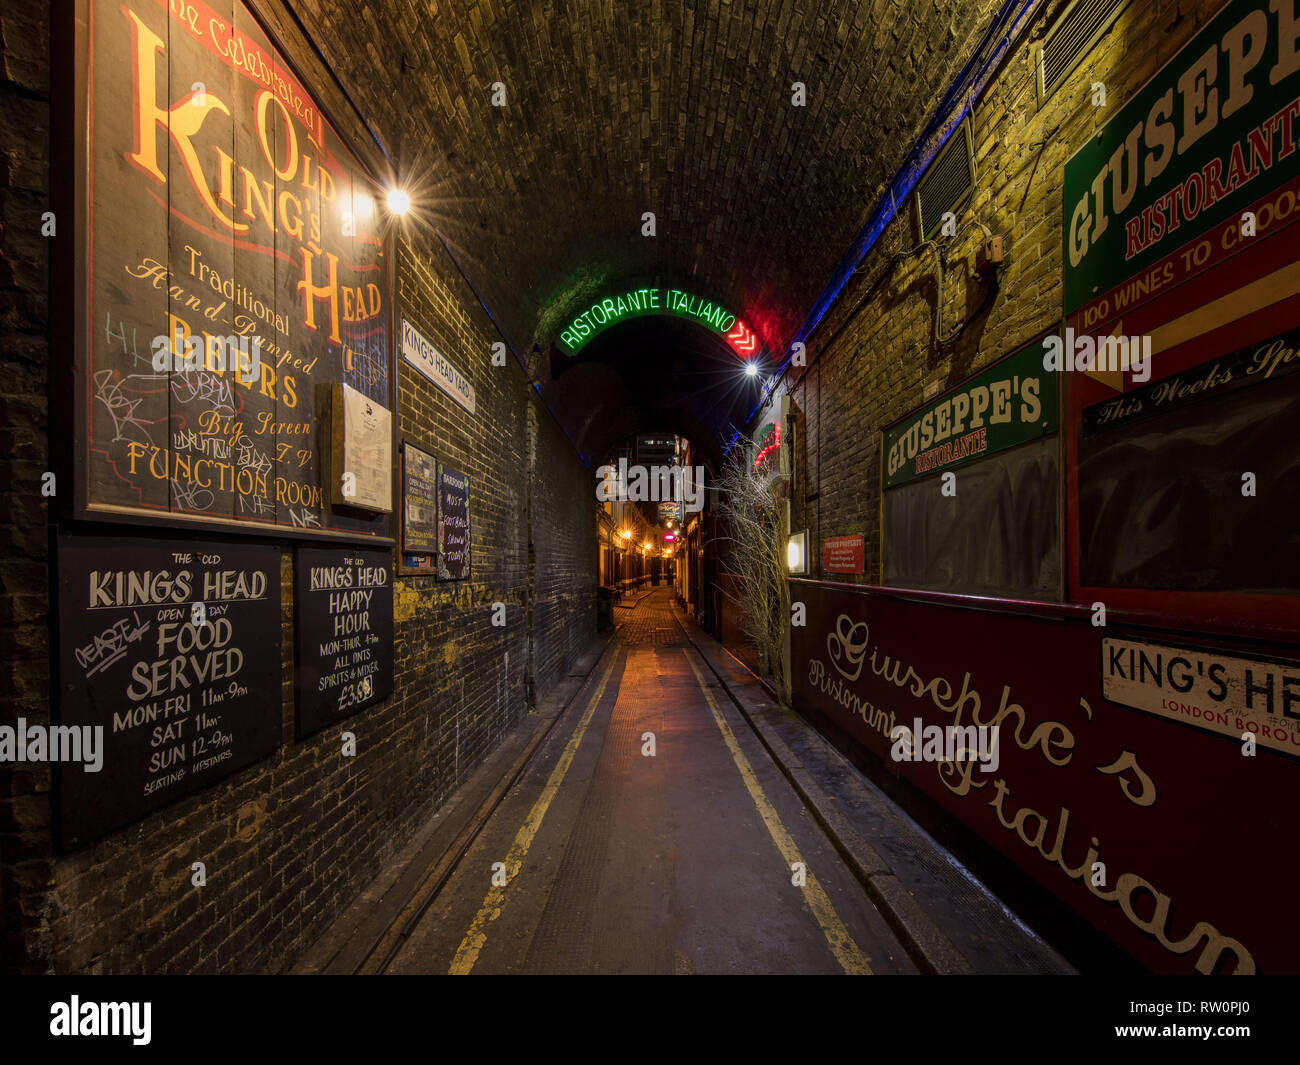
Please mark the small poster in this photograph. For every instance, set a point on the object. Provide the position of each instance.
(362, 451)
(343, 647)
(453, 524)
(419, 501)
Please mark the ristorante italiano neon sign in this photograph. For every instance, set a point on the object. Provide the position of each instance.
(637, 302)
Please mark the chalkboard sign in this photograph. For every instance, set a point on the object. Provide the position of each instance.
(453, 524)
(236, 276)
(343, 647)
(1164, 502)
(172, 648)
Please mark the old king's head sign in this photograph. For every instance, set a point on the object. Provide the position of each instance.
(236, 275)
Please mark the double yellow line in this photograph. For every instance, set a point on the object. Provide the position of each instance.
(842, 944)
(470, 947)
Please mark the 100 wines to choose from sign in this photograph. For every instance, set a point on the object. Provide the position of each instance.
(194, 647)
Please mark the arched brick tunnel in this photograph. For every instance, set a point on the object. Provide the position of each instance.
(648, 488)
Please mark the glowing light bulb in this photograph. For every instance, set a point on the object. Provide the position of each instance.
(398, 201)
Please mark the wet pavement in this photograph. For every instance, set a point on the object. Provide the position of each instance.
(652, 831)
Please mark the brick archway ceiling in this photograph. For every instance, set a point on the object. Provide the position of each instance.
(615, 109)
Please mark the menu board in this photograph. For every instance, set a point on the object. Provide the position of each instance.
(453, 524)
(343, 647)
(235, 275)
(172, 649)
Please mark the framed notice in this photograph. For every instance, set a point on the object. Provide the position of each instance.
(453, 524)
(343, 643)
(230, 273)
(419, 503)
(362, 451)
(169, 652)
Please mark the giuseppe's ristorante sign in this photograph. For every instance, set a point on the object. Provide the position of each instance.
(1204, 141)
(1010, 403)
(1153, 823)
(236, 275)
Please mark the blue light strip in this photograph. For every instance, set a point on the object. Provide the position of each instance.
(968, 85)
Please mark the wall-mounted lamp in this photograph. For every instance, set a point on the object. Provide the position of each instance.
(398, 201)
(796, 553)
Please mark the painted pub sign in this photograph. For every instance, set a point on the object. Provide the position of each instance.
(234, 275)
(1178, 235)
(1104, 744)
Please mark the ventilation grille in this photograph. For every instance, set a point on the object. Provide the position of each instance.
(1070, 39)
(947, 183)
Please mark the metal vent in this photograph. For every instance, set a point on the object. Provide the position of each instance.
(947, 183)
(1070, 39)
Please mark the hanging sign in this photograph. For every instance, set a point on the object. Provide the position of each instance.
(635, 303)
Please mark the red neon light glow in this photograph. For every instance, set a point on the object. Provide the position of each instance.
(776, 443)
(670, 536)
(742, 338)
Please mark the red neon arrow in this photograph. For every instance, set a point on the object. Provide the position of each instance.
(741, 338)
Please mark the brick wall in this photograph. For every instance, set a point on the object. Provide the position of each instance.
(290, 841)
(25, 865)
(561, 552)
(875, 358)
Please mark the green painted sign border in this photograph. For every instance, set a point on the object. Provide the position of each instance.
(949, 431)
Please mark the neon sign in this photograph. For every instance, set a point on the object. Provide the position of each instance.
(634, 303)
(769, 439)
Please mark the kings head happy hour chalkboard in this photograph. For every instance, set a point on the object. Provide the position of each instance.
(173, 649)
(343, 641)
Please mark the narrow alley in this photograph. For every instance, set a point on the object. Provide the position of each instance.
(706, 488)
(654, 832)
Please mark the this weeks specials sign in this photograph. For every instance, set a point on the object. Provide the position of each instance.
(235, 272)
